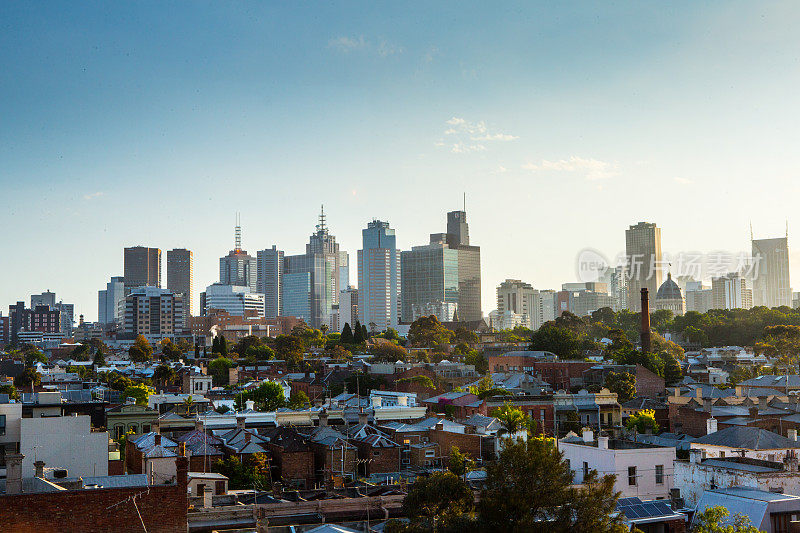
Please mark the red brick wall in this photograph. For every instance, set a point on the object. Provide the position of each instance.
(116, 467)
(469, 444)
(386, 460)
(294, 465)
(162, 507)
(687, 420)
(647, 383)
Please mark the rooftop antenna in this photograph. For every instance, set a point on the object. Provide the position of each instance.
(787, 229)
(238, 233)
(465, 201)
(751, 230)
(321, 226)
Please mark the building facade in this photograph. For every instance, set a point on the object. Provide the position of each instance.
(234, 300)
(110, 301)
(731, 292)
(771, 286)
(348, 307)
(379, 277)
(270, 279)
(238, 267)
(142, 267)
(180, 276)
(153, 312)
(643, 252)
(519, 298)
(429, 282)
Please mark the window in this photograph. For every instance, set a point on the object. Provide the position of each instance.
(660, 474)
(631, 475)
(585, 469)
(430, 453)
(2, 424)
(722, 454)
(771, 457)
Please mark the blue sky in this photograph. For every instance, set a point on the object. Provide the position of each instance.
(153, 123)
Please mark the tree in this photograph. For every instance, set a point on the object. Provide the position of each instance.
(358, 334)
(11, 390)
(391, 334)
(427, 332)
(169, 350)
(623, 383)
(423, 381)
(223, 345)
(512, 418)
(466, 336)
(528, 489)
(364, 332)
(246, 343)
(215, 344)
(27, 379)
(299, 400)
(339, 353)
(713, 520)
(140, 351)
(478, 360)
(561, 341)
(268, 396)
(138, 391)
(438, 502)
(458, 463)
(247, 474)
(642, 421)
(347, 335)
(219, 370)
(34, 356)
(164, 375)
(672, 370)
(387, 351)
(99, 358)
(290, 349)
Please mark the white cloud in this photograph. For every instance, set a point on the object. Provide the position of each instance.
(469, 136)
(93, 195)
(593, 169)
(347, 44)
(683, 181)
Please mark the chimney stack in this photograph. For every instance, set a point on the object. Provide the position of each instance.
(323, 418)
(14, 473)
(158, 439)
(39, 466)
(588, 436)
(362, 418)
(645, 321)
(711, 426)
(240, 422)
(791, 434)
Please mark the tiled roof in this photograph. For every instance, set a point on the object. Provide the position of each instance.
(748, 438)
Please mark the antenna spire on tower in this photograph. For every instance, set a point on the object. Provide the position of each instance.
(238, 233)
(751, 230)
(321, 226)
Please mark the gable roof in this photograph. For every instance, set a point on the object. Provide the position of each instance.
(749, 438)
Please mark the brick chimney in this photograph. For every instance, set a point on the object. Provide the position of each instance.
(645, 333)
(198, 425)
(323, 418)
(158, 439)
(14, 473)
(711, 426)
(362, 418)
(39, 466)
(240, 422)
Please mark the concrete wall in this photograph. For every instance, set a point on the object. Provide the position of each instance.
(693, 479)
(64, 442)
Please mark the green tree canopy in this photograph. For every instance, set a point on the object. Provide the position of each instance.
(439, 502)
(141, 351)
(428, 332)
(643, 421)
(290, 349)
(623, 383)
(218, 368)
(715, 520)
(268, 396)
(458, 463)
(347, 335)
(139, 391)
(388, 352)
(27, 379)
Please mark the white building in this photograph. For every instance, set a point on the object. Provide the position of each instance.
(66, 442)
(10, 416)
(515, 297)
(500, 320)
(643, 470)
(234, 299)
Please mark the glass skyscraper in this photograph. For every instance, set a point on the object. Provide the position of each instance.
(379, 277)
(430, 282)
(270, 276)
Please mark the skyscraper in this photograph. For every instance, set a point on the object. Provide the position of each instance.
(469, 266)
(430, 282)
(152, 312)
(519, 298)
(238, 267)
(771, 279)
(322, 264)
(379, 277)
(142, 267)
(270, 279)
(643, 249)
(731, 292)
(180, 278)
(109, 301)
(348, 307)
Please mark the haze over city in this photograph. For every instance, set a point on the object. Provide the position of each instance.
(153, 125)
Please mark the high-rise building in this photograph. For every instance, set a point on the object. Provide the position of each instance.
(180, 277)
(731, 292)
(41, 318)
(46, 298)
(110, 301)
(469, 266)
(322, 264)
(270, 276)
(67, 311)
(429, 282)
(234, 300)
(379, 277)
(238, 267)
(771, 276)
(699, 298)
(618, 287)
(520, 298)
(142, 267)
(643, 250)
(348, 307)
(153, 312)
(549, 305)
(344, 270)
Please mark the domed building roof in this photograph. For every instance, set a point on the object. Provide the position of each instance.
(669, 290)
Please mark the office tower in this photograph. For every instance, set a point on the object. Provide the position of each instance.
(344, 270)
(270, 275)
(46, 298)
(669, 297)
(519, 298)
(731, 292)
(238, 267)
(153, 312)
(643, 249)
(586, 302)
(379, 277)
(547, 298)
(109, 301)
(321, 287)
(142, 267)
(348, 307)
(180, 277)
(40, 318)
(618, 287)
(429, 282)
(469, 266)
(234, 300)
(771, 275)
(699, 298)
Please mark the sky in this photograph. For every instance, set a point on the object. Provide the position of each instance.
(154, 123)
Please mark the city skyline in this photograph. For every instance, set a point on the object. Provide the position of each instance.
(561, 117)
